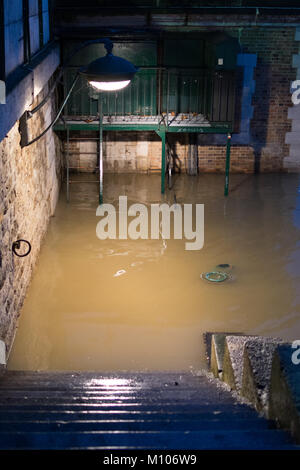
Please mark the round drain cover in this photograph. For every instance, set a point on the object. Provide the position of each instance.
(215, 276)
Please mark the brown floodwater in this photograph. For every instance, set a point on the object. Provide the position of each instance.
(141, 304)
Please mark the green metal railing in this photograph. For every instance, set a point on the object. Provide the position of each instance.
(157, 96)
(157, 90)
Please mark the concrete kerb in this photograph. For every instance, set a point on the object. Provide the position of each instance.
(260, 370)
(257, 364)
(284, 396)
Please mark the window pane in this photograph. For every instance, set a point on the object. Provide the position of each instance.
(13, 33)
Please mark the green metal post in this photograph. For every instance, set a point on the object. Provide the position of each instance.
(100, 149)
(68, 164)
(227, 168)
(163, 160)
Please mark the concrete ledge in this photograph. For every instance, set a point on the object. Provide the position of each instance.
(257, 365)
(219, 339)
(2, 353)
(261, 370)
(284, 402)
(234, 360)
(217, 354)
(2, 358)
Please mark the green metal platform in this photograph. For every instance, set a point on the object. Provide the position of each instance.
(161, 99)
(68, 125)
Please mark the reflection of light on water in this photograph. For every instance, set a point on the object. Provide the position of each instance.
(164, 243)
(125, 253)
(106, 251)
(120, 272)
(108, 382)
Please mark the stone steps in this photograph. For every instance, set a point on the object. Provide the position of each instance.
(149, 424)
(201, 440)
(62, 410)
(205, 414)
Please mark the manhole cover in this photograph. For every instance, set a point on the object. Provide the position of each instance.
(215, 276)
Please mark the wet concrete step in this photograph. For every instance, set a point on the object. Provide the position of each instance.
(100, 401)
(174, 386)
(45, 410)
(57, 385)
(54, 386)
(137, 375)
(201, 440)
(134, 425)
(117, 407)
(203, 393)
(205, 415)
(193, 396)
(179, 394)
(95, 378)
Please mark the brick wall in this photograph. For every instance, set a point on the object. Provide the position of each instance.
(141, 152)
(272, 98)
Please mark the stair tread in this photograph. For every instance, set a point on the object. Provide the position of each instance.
(210, 413)
(148, 439)
(155, 410)
(134, 424)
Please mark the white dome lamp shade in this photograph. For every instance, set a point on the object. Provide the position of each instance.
(109, 73)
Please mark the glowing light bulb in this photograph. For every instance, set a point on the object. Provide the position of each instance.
(109, 86)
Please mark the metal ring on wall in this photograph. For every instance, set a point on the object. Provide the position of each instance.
(16, 246)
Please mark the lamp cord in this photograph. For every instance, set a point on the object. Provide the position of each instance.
(108, 44)
(57, 115)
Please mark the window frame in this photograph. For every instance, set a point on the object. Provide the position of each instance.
(26, 33)
(2, 42)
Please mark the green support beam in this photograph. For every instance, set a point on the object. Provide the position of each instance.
(162, 135)
(68, 164)
(100, 110)
(86, 126)
(227, 167)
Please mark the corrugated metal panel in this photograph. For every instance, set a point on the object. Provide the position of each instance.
(139, 98)
(193, 87)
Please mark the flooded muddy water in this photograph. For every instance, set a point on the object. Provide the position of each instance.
(141, 304)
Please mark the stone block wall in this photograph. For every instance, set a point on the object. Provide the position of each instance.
(29, 187)
(131, 152)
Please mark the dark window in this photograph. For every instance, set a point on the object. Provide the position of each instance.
(2, 45)
(26, 32)
(41, 23)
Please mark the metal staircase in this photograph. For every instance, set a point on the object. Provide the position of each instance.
(65, 410)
